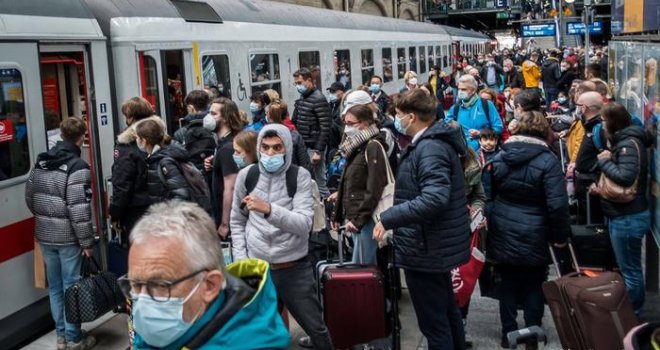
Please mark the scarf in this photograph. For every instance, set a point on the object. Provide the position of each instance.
(350, 144)
(471, 101)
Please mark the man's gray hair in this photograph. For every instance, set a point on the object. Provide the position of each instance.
(469, 80)
(188, 223)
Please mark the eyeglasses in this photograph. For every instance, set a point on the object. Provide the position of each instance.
(159, 290)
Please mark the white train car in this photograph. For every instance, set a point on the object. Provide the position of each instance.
(83, 58)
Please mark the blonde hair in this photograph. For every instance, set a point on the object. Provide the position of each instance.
(409, 75)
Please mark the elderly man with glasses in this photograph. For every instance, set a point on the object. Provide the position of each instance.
(183, 295)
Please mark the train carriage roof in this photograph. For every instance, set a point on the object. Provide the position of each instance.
(59, 8)
(267, 12)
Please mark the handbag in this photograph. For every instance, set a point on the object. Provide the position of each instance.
(387, 197)
(94, 295)
(613, 192)
(464, 278)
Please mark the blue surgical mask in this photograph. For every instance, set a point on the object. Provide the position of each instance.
(254, 108)
(160, 323)
(301, 88)
(375, 88)
(399, 127)
(209, 123)
(272, 163)
(240, 161)
(463, 95)
(332, 98)
(561, 99)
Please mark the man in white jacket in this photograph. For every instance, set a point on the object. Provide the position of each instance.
(271, 218)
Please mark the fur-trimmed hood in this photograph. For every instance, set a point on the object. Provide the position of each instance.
(129, 135)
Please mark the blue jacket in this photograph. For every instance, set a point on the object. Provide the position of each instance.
(430, 215)
(243, 317)
(476, 118)
(530, 206)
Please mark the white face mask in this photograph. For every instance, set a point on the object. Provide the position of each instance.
(141, 146)
(209, 122)
(412, 81)
(350, 131)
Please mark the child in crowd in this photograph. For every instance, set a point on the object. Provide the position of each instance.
(561, 105)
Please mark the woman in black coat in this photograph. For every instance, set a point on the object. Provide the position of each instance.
(626, 165)
(530, 210)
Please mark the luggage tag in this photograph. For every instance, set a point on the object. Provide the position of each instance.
(476, 220)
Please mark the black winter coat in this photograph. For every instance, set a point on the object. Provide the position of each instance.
(566, 80)
(336, 130)
(550, 73)
(430, 215)
(530, 205)
(300, 156)
(311, 117)
(625, 167)
(175, 186)
(514, 79)
(130, 198)
(383, 102)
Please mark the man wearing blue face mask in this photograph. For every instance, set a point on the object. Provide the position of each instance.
(473, 113)
(312, 118)
(183, 294)
(271, 218)
(377, 95)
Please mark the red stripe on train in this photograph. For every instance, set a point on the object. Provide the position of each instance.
(16, 239)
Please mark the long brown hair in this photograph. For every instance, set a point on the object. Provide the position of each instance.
(616, 117)
(247, 140)
(229, 112)
(150, 131)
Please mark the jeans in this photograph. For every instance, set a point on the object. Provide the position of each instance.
(627, 233)
(62, 271)
(521, 286)
(437, 313)
(319, 174)
(296, 288)
(364, 241)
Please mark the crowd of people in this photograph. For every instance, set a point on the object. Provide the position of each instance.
(493, 152)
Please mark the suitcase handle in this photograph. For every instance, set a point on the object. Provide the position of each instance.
(340, 232)
(533, 332)
(573, 257)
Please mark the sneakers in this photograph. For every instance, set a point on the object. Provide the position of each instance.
(61, 342)
(305, 342)
(87, 342)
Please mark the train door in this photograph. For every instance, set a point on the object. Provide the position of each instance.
(66, 84)
(22, 138)
(163, 83)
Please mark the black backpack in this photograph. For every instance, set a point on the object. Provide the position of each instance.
(199, 189)
(199, 143)
(252, 178)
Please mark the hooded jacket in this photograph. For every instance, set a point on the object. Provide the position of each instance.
(530, 206)
(243, 317)
(625, 167)
(175, 185)
(430, 215)
(476, 118)
(531, 73)
(59, 194)
(129, 176)
(281, 236)
(312, 119)
(551, 73)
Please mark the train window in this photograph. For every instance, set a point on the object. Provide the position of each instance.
(312, 61)
(215, 72)
(401, 62)
(367, 65)
(176, 88)
(149, 75)
(438, 56)
(265, 72)
(412, 58)
(430, 56)
(343, 67)
(387, 65)
(422, 60)
(14, 150)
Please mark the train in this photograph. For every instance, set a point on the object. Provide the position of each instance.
(64, 58)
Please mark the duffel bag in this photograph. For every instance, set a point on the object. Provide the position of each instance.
(94, 295)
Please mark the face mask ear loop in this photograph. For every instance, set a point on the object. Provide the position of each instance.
(201, 307)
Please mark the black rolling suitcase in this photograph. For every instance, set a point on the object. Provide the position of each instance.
(592, 242)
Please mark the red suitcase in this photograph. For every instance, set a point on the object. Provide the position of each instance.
(353, 297)
(590, 312)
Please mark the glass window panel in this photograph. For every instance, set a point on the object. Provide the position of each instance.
(429, 56)
(312, 61)
(14, 149)
(343, 67)
(401, 62)
(215, 73)
(387, 65)
(422, 60)
(438, 56)
(367, 65)
(150, 90)
(412, 58)
(265, 72)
